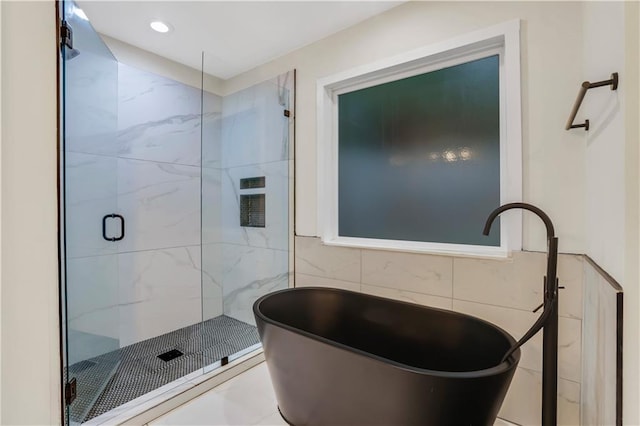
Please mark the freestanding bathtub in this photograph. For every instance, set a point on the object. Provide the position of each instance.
(338, 357)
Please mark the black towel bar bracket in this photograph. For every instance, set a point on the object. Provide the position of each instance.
(613, 82)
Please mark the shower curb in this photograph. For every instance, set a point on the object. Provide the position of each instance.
(145, 409)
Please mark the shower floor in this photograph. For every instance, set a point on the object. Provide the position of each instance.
(135, 370)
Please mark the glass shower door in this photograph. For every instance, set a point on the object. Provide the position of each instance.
(92, 226)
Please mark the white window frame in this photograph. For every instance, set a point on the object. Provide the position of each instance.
(502, 39)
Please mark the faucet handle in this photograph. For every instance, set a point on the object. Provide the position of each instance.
(542, 304)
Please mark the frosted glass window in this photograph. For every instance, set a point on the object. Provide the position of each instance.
(419, 158)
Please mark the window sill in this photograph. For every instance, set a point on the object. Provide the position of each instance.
(439, 249)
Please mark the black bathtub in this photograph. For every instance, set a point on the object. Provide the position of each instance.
(342, 358)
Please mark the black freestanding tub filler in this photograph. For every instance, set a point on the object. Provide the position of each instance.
(337, 357)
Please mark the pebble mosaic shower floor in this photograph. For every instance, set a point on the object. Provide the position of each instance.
(110, 380)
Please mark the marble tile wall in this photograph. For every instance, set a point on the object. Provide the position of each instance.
(253, 141)
(149, 170)
(161, 204)
(503, 292)
(91, 192)
(249, 273)
(159, 171)
(602, 311)
(91, 100)
(254, 128)
(92, 306)
(159, 118)
(159, 291)
(212, 204)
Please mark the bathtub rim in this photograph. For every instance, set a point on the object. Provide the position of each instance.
(511, 363)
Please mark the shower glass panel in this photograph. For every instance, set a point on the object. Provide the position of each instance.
(131, 218)
(89, 170)
(176, 216)
(247, 228)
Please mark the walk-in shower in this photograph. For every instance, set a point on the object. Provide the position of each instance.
(175, 217)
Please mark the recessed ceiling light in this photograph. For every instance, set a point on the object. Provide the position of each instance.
(159, 26)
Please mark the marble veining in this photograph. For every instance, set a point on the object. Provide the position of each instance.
(517, 282)
(411, 272)
(238, 303)
(523, 402)
(173, 139)
(161, 203)
(160, 119)
(314, 258)
(159, 291)
(248, 273)
(143, 96)
(409, 296)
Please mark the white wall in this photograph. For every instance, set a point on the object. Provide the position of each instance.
(631, 283)
(0, 206)
(605, 141)
(30, 368)
(551, 68)
(611, 173)
(631, 394)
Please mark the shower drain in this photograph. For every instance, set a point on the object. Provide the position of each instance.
(172, 354)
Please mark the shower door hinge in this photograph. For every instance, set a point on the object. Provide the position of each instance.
(70, 391)
(66, 35)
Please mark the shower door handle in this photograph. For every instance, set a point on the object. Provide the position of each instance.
(121, 227)
(104, 227)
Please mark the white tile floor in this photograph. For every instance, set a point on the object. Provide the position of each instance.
(247, 399)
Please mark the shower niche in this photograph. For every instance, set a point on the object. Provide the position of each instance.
(252, 206)
(252, 210)
(168, 293)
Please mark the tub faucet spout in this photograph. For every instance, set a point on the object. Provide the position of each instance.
(548, 321)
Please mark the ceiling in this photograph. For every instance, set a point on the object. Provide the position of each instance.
(236, 35)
